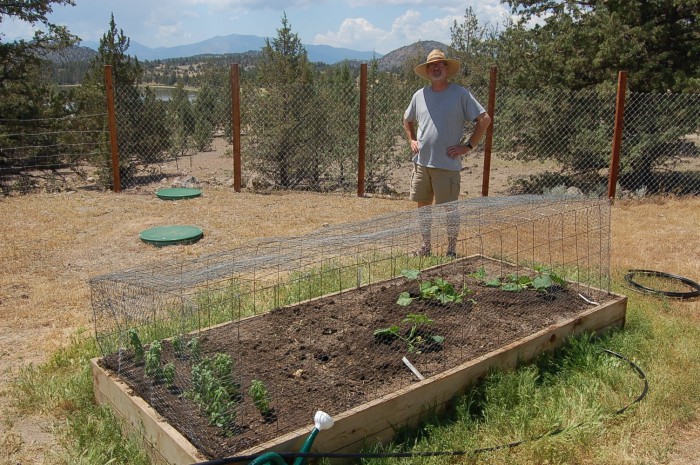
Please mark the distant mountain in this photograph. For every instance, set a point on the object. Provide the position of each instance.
(236, 43)
(251, 45)
(394, 60)
(74, 53)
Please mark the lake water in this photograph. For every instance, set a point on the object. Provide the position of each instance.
(164, 93)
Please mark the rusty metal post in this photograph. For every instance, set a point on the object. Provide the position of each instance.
(112, 123)
(488, 143)
(236, 125)
(617, 133)
(362, 132)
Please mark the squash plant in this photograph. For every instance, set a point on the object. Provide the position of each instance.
(544, 281)
(416, 338)
(438, 289)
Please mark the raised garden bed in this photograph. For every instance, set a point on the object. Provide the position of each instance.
(322, 354)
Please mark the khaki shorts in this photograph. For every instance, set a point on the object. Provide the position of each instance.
(428, 184)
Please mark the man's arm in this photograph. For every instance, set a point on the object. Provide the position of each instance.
(409, 128)
(482, 124)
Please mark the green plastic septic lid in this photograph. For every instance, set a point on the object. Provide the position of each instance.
(170, 235)
(177, 193)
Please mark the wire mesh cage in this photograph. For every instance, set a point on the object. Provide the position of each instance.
(239, 347)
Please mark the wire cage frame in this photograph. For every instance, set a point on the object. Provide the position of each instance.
(155, 324)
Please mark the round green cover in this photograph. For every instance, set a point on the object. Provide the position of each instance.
(171, 235)
(177, 193)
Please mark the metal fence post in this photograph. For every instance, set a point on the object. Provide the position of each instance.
(488, 143)
(362, 132)
(112, 123)
(617, 134)
(236, 125)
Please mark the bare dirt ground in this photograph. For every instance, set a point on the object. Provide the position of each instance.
(52, 244)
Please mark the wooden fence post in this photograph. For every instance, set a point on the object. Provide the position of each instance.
(362, 132)
(617, 134)
(112, 123)
(488, 143)
(236, 125)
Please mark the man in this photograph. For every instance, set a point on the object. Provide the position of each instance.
(434, 124)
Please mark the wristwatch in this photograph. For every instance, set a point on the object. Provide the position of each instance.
(469, 145)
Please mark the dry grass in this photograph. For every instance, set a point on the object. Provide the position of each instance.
(53, 243)
(659, 234)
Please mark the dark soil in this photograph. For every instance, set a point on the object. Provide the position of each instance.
(323, 355)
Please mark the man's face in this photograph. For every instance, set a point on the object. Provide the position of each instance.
(437, 71)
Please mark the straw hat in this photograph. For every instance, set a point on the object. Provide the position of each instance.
(437, 55)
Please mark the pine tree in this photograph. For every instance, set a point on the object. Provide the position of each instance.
(283, 135)
(29, 104)
(142, 140)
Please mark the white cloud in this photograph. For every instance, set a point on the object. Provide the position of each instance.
(410, 27)
(15, 29)
(357, 33)
(361, 34)
(432, 21)
(247, 5)
(404, 3)
(165, 32)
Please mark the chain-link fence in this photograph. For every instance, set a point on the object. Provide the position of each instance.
(568, 133)
(321, 134)
(661, 144)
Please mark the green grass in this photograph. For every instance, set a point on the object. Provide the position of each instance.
(576, 390)
(62, 389)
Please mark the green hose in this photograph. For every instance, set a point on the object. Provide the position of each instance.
(306, 447)
(273, 458)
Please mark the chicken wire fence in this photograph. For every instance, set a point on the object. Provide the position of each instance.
(306, 136)
(242, 346)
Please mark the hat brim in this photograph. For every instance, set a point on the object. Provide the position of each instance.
(452, 67)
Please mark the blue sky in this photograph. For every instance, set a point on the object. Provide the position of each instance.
(367, 25)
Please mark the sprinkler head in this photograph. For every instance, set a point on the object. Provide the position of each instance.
(322, 421)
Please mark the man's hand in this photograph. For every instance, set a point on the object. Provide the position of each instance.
(414, 146)
(455, 151)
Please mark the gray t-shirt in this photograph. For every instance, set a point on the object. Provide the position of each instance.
(441, 117)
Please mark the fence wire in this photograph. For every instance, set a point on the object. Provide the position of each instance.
(307, 137)
(52, 154)
(241, 347)
(661, 143)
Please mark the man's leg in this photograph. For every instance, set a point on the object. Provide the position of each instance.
(446, 191)
(452, 219)
(424, 217)
(422, 194)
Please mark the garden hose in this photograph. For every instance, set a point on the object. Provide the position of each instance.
(374, 455)
(695, 292)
